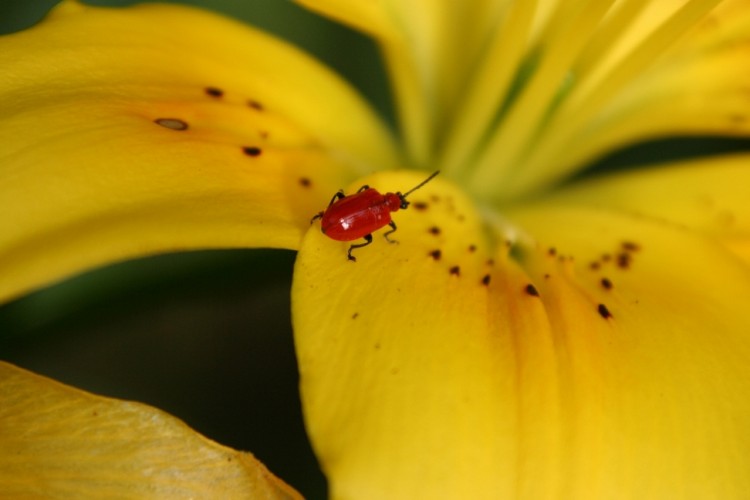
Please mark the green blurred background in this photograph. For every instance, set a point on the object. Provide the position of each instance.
(205, 336)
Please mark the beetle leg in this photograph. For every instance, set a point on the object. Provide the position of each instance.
(363, 188)
(340, 194)
(368, 240)
(393, 225)
(316, 216)
(336, 197)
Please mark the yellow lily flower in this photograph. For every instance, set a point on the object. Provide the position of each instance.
(536, 333)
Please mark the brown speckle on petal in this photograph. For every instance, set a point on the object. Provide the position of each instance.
(255, 105)
(172, 123)
(531, 290)
(251, 150)
(455, 270)
(214, 92)
(623, 260)
(630, 246)
(603, 311)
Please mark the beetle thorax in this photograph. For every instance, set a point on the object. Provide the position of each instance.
(393, 201)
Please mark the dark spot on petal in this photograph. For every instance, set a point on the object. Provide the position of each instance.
(630, 246)
(490, 262)
(214, 92)
(486, 280)
(552, 251)
(172, 123)
(434, 230)
(355, 315)
(603, 311)
(546, 276)
(624, 260)
(472, 248)
(737, 119)
(251, 151)
(255, 105)
(305, 182)
(606, 283)
(606, 257)
(594, 266)
(435, 198)
(436, 254)
(455, 270)
(531, 290)
(263, 134)
(419, 205)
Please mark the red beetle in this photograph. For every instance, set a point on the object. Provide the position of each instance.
(349, 218)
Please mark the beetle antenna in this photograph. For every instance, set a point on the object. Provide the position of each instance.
(419, 185)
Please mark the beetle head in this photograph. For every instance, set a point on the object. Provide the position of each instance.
(403, 202)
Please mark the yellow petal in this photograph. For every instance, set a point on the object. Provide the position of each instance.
(682, 78)
(695, 90)
(656, 393)
(430, 49)
(707, 195)
(598, 75)
(570, 28)
(61, 442)
(526, 377)
(156, 128)
(384, 375)
(490, 87)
